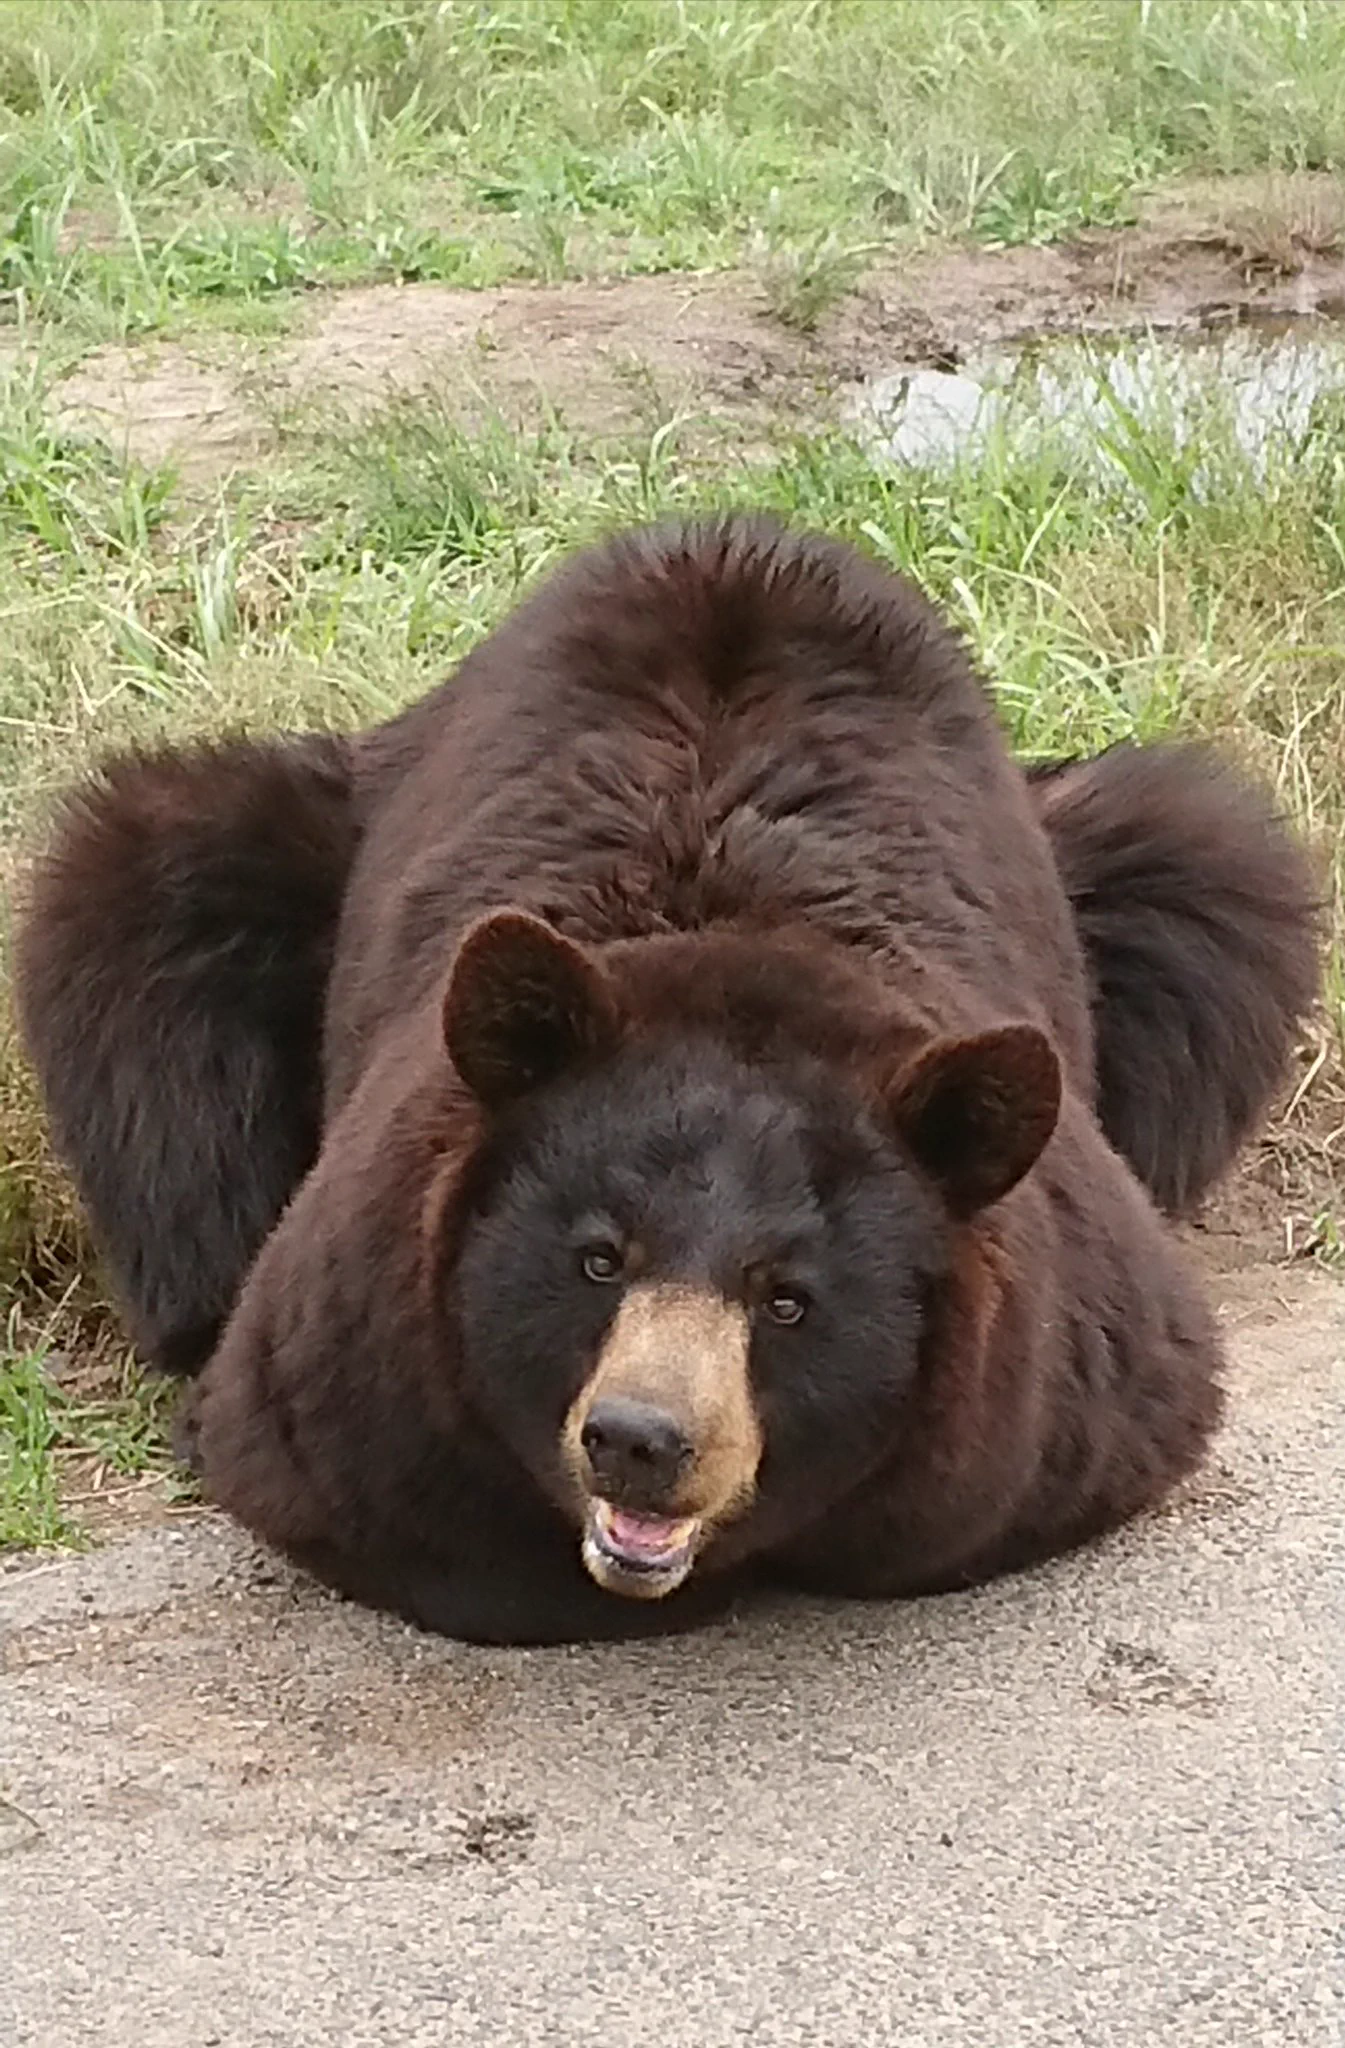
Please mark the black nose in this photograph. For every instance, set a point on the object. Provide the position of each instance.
(633, 1449)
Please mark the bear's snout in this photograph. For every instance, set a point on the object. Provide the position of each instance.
(636, 1452)
(664, 1441)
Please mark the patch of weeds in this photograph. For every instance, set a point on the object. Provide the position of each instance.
(801, 282)
(260, 320)
(119, 1424)
(1027, 201)
(349, 142)
(1326, 1240)
(1289, 219)
(412, 480)
(71, 1439)
(544, 239)
(31, 1513)
(703, 169)
(236, 271)
(33, 259)
(66, 490)
(246, 260)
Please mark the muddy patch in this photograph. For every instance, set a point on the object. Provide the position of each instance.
(940, 310)
(163, 405)
(609, 355)
(602, 354)
(605, 357)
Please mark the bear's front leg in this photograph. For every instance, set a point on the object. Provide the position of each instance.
(389, 1510)
(527, 1599)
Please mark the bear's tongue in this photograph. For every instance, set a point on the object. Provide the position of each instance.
(643, 1536)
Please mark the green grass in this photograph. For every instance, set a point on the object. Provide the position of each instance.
(61, 1449)
(350, 570)
(158, 154)
(190, 167)
(31, 1514)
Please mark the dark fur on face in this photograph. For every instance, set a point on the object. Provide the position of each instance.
(706, 1180)
(744, 1249)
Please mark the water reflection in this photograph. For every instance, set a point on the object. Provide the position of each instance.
(1098, 402)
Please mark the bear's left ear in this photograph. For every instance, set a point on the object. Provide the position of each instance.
(522, 1005)
(977, 1112)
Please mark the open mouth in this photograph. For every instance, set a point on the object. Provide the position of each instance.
(642, 1556)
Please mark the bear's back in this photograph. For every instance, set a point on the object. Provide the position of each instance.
(720, 724)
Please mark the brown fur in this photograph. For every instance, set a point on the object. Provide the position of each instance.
(754, 825)
(172, 953)
(1201, 919)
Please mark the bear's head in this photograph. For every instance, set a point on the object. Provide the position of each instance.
(691, 1284)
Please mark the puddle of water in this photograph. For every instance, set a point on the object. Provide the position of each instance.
(1097, 402)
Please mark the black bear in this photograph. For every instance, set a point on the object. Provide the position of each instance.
(677, 1108)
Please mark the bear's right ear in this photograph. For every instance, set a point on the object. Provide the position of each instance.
(523, 1004)
(977, 1112)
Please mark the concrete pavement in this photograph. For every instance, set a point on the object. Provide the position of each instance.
(1096, 1807)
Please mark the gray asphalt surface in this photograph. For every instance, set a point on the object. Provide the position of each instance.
(1098, 1806)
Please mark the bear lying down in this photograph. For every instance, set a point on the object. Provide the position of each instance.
(678, 1108)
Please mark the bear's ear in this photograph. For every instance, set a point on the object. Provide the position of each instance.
(977, 1112)
(522, 1005)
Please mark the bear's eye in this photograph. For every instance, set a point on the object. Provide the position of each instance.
(785, 1305)
(602, 1264)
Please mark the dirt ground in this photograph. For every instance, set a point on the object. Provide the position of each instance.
(608, 354)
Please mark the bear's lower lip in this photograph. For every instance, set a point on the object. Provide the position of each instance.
(642, 1556)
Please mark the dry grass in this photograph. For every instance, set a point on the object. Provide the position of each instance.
(1285, 219)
